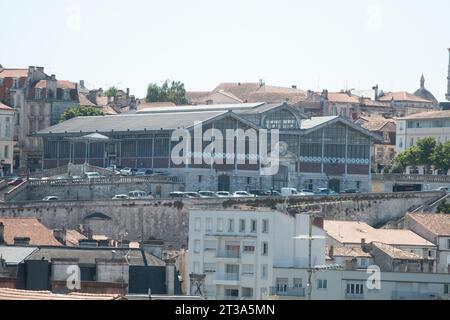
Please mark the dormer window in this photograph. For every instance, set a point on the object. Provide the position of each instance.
(38, 94)
(66, 94)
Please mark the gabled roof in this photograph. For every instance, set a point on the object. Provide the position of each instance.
(443, 114)
(14, 73)
(402, 96)
(5, 107)
(396, 253)
(60, 84)
(350, 252)
(28, 228)
(376, 123)
(439, 224)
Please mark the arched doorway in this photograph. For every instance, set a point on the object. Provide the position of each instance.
(335, 185)
(223, 183)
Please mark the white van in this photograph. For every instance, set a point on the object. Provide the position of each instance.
(290, 192)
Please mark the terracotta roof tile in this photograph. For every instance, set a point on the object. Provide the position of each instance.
(73, 237)
(15, 294)
(402, 96)
(14, 73)
(428, 115)
(439, 224)
(350, 252)
(396, 253)
(60, 84)
(29, 228)
(5, 107)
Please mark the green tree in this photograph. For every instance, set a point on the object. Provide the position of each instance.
(426, 147)
(111, 92)
(409, 157)
(444, 207)
(441, 156)
(173, 91)
(73, 112)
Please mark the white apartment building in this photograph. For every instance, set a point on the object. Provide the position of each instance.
(360, 285)
(238, 250)
(6, 140)
(434, 124)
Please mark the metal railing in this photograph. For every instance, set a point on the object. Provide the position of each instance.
(412, 177)
(228, 254)
(228, 277)
(288, 291)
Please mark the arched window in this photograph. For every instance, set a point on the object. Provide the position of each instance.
(282, 119)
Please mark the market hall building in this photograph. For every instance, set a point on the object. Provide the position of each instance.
(314, 152)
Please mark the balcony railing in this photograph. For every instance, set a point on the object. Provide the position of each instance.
(288, 292)
(228, 277)
(354, 296)
(228, 254)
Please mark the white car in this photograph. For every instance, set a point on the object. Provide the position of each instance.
(207, 194)
(121, 197)
(128, 171)
(241, 194)
(138, 194)
(223, 194)
(93, 175)
(50, 198)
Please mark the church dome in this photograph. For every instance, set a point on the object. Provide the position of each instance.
(424, 93)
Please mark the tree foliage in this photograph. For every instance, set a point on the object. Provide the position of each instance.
(73, 112)
(444, 207)
(427, 153)
(169, 91)
(111, 92)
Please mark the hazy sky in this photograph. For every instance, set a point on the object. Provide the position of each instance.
(314, 44)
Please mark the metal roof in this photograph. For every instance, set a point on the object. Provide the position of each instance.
(196, 108)
(14, 255)
(315, 121)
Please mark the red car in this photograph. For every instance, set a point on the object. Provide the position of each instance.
(15, 182)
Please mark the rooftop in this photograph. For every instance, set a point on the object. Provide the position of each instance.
(14, 255)
(350, 252)
(439, 224)
(5, 107)
(352, 232)
(402, 96)
(376, 123)
(61, 84)
(14, 73)
(28, 228)
(15, 294)
(396, 253)
(428, 115)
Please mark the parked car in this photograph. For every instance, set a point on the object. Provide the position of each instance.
(50, 198)
(240, 194)
(77, 177)
(207, 194)
(307, 192)
(258, 193)
(121, 197)
(128, 171)
(351, 191)
(223, 194)
(445, 189)
(273, 193)
(290, 192)
(176, 195)
(15, 182)
(144, 172)
(93, 175)
(325, 191)
(192, 195)
(138, 194)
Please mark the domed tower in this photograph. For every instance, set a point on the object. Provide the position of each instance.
(424, 93)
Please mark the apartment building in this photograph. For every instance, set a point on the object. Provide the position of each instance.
(6, 139)
(237, 250)
(435, 228)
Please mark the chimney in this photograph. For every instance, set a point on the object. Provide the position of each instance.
(22, 241)
(331, 252)
(31, 69)
(2, 232)
(309, 94)
(60, 235)
(53, 77)
(82, 84)
(261, 83)
(376, 93)
(294, 86)
(128, 93)
(325, 94)
(170, 277)
(318, 222)
(363, 244)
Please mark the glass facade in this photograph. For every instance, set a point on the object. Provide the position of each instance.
(282, 119)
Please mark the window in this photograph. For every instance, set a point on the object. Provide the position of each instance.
(265, 249)
(298, 282)
(220, 225)
(18, 119)
(196, 246)
(254, 225)
(210, 245)
(37, 94)
(249, 248)
(209, 224)
(247, 269)
(448, 243)
(264, 271)
(249, 180)
(282, 119)
(358, 184)
(196, 267)
(209, 267)
(322, 283)
(265, 228)
(355, 289)
(199, 179)
(197, 224)
(282, 285)
(231, 293)
(247, 292)
(66, 94)
(1, 81)
(15, 83)
(446, 288)
(6, 152)
(364, 262)
(241, 225)
(8, 127)
(230, 225)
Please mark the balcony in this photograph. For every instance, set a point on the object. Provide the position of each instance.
(228, 254)
(227, 279)
(287, 292)
(354, 296)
